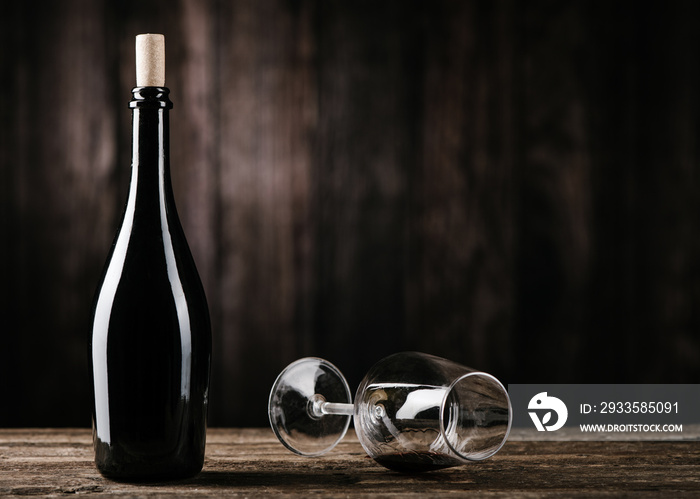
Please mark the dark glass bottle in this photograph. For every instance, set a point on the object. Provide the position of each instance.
(150, 346)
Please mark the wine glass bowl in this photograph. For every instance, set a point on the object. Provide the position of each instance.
(417, 412)
(412, 411)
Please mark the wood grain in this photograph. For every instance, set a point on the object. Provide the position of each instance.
(512, 186)
(251, 462)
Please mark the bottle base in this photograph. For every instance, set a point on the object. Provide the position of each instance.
(147, 474)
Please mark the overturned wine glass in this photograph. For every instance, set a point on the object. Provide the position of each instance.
(413, 412)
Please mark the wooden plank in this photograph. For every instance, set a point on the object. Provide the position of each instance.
(60, 161)
(194, 136)
(363, 149)
(553, 196)
(644, 276)
(267, 110)
(244, 462)
(464, 186)
(508, 184)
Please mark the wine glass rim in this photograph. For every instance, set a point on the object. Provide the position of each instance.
(442, 414)
(273, 390)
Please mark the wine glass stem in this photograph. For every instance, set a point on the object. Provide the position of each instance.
(337, 409)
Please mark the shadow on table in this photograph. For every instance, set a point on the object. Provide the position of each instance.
(329, 479)
(272, 478)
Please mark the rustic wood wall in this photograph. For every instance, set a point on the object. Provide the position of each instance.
(512, 185)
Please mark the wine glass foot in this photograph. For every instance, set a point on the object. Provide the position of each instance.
(295, 406)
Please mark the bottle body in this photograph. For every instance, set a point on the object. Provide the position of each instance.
(150, 346)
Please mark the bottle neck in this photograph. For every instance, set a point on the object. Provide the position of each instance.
(150, 193)
(151, 144)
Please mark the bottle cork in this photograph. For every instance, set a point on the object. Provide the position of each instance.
(150, 60)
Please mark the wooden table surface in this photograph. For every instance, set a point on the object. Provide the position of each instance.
(251, 462)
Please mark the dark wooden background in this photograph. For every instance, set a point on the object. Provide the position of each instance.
(513, 185)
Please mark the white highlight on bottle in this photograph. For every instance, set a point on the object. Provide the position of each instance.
(150, 60)
(103, 314)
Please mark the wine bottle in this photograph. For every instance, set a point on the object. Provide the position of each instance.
(150, 346)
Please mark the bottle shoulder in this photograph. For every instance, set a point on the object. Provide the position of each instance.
(152, 268)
